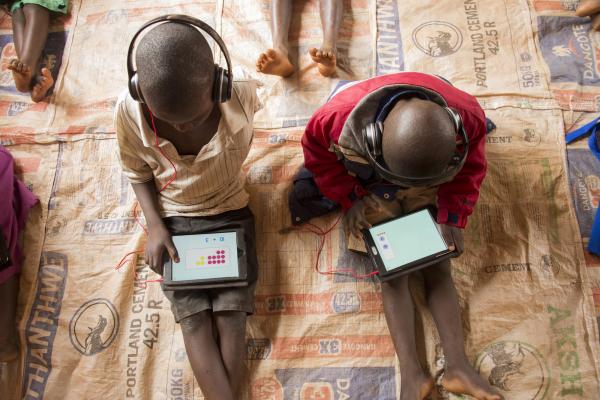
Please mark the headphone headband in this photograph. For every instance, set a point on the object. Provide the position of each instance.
(183, 19)
(372, 143)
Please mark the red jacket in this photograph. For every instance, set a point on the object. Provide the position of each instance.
(456, 198)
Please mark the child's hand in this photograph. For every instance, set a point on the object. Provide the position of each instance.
(159, 238)
(454, 238)
(355, 217)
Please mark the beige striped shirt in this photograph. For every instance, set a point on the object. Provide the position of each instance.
(208, 183)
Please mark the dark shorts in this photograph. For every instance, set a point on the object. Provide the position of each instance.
(185, 303)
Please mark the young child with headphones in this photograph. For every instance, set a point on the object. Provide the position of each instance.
(394, 144)
(31, 22)
(184, 129)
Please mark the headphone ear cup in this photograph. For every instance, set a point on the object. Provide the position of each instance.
(373, 139)
(377, 129)
(220, 92)
(226, 95)
(455, 118)
(134, 89)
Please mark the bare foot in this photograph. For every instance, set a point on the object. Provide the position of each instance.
(21, 74)
(587, 8)
(326, 60)
(44, 83)
(465, 380)
(416, 387)
(272, 62)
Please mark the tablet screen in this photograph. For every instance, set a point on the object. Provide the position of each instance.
(407, 239)
(206, 256)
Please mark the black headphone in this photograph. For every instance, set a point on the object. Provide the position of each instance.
(223, 83)
(372, 140)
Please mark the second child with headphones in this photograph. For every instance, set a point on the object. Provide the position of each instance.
(184, 129)
(385, 147)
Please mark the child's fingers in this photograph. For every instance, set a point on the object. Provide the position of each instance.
(172, 251)
(373, 202)
(157, 260)
(360, 225)
(352, 226)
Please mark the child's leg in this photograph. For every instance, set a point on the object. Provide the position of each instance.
(275, 61)
(204, 355)
(400, 315)
(35, 32)
(18, 25)
(231, 326)
(18, 67)
(459, 375)
(331, 19)
(9, 291)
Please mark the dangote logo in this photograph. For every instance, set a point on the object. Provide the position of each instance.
(437, 39)
(592, 183)
(317, 391)
(514, 368)
(94, 326)
(580, 45)
(571, 51)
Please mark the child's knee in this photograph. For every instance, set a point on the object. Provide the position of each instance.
(441, 269)
(195, 322)
(398, 283)
(231, 320)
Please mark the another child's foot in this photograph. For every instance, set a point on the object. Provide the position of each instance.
(44, 83)
(325, 59)
(466, 380)
(416, 387)
(587, 8)
(21, 74)
(272, 62)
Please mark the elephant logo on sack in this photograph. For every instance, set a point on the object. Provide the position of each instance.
(94, 326)
(514, 367)
(437, 39)
(549, 265)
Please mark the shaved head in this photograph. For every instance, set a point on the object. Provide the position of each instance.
(418, 139)
(175, 71)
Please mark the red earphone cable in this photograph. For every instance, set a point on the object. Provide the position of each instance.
(312, 228)
(123, 260)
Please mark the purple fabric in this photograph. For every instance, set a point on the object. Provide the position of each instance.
(15, 202)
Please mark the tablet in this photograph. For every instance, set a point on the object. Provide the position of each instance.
(208, 260)
(406, 243)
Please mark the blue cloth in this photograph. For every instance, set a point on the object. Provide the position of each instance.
(592, 129)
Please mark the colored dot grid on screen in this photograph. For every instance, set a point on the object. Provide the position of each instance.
(215, 258)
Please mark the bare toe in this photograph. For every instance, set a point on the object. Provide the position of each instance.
(275, 63)
(325, 59)
(12, 64)
(271, 54)
(21, 74)
(40, 90)
(464, 380)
